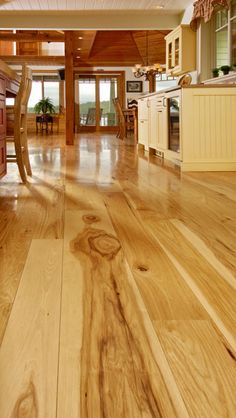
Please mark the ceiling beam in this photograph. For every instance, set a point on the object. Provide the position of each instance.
(29, 37)
(33, 59)
(90, 46)
(92, 20)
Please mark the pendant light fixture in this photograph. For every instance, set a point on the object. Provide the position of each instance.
(147, 70)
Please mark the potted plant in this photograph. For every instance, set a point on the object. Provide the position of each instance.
(45, 107)
(225, 69)
(215, 72)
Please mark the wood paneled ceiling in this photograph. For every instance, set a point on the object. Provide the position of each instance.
(90, 48)
(177, 5)
(118, 48)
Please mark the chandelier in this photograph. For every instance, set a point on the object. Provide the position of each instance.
(147, 70)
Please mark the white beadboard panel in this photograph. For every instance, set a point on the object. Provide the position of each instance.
(179, 5)
(209, 125)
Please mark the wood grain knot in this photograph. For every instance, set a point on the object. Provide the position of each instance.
(90, 219)
(105, 244)
(26, 406)
(142, 268)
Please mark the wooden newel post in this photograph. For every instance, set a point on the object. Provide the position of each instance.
(69, 79)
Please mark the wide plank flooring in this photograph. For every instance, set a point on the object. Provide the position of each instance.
(117, 285)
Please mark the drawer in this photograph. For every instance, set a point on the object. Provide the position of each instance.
(2, 157)
(2, 86)
(2, 117)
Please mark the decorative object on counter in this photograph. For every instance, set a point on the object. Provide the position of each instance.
(215, 72)
(185, 80)
(204, 9)
(132, 104)
(225, 69)
(148, 70)
(134, 86)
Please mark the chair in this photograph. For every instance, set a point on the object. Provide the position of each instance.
(19, 138)
(132, 104)
(125, 123)
(90, 118)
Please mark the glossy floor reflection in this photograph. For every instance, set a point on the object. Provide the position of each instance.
(117, 285)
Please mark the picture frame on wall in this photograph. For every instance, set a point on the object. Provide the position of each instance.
(134, 86)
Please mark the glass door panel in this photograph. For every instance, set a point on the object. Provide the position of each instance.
(170, 55)
(176, 52)
(107, 92)
(87, 101)
(174, 123)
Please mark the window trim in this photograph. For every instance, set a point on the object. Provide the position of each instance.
(228, 25)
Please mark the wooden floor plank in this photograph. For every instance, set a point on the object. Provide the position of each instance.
(38, 214)
(203, 212)
(165, 294)
(205, 372)
(183, 279)
(105, 349)
(216, 294)
(29, 352)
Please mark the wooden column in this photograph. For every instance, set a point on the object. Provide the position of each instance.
(69, 78)
(62, 94)
(151, 80)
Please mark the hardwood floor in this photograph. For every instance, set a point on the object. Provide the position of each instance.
(117, 286)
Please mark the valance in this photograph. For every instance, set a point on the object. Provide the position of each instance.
(204, 9)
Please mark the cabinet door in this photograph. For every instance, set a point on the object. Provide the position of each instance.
(2, 87)
(2, 157)
(143, 131)
(176, 51)
(162, 129)
(2, 117)
(153, 123)
(143, 109)
(169, 55)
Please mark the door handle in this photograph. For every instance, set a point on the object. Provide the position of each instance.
(164, 101)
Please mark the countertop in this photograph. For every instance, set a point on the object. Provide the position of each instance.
(191, 86)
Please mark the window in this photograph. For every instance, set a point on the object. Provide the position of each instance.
(45, 86)
(163, 81)
(51, 89)
(35, 95)
(225, 36)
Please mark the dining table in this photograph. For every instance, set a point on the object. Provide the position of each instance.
(9, 87)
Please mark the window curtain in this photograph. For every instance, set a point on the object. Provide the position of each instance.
(204, 9)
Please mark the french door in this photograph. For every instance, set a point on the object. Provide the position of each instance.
(94, 107)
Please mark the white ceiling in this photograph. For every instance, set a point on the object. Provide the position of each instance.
(169, 5)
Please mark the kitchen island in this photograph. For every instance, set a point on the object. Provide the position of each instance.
(194, 126)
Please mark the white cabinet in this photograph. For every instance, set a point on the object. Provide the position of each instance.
(162, 123)
(158, 122)
(180, 50)
(208, 128)
(143, 132)
(143, 121)
(194, 127)
(152, 122)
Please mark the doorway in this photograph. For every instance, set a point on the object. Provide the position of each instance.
(94, 107)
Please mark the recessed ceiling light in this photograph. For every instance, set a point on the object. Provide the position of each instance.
(78, 56)
(80, 37)
(79, 49)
